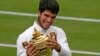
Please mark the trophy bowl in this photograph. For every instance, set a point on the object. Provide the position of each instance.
(39, 40)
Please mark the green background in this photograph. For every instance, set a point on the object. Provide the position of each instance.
(81, 35)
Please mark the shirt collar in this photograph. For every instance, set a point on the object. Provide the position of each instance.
(38, 27)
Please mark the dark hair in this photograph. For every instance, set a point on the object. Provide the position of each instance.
(51, 5)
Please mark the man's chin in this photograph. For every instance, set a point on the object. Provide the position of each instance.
(46, 27)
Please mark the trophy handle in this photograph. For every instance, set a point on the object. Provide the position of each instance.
(25, 44)
(53, 35)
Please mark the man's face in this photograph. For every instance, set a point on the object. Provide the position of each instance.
(46, 19)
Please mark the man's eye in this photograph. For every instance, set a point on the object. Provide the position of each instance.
(47, 15)
(53, 17)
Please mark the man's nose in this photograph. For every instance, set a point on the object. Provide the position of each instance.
(49, 19)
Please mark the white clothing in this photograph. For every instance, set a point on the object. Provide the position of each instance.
(27, 36)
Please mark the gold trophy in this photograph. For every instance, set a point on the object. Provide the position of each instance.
(39, 40)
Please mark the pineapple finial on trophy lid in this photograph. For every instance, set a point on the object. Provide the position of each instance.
(36, 33)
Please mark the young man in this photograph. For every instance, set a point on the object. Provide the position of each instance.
(48, 10)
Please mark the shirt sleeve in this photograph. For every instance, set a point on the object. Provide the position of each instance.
(23, 37)
(20, 50)
(62, 40)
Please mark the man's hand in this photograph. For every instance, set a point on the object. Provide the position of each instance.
(31, 50)
(52, 43)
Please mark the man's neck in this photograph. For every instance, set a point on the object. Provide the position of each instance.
(41, 26)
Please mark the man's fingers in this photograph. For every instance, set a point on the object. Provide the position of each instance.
(28, 48)
(35, 54)
(29, 45)
(51, 44)
(31, 50)
(51, 41)
(34, 51)
(33, 47)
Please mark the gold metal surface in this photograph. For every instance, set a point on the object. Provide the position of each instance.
(39, 40)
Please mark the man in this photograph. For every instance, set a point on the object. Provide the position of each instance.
(48, 10)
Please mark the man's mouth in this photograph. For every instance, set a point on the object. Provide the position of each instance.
(48, 24)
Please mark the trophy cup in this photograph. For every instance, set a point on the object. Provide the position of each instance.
(39, 40)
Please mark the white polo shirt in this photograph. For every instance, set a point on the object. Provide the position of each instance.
(27, 36)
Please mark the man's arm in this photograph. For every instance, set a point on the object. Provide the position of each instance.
(59, 44)
(29, 50)
(20, 49)
(62, 40)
